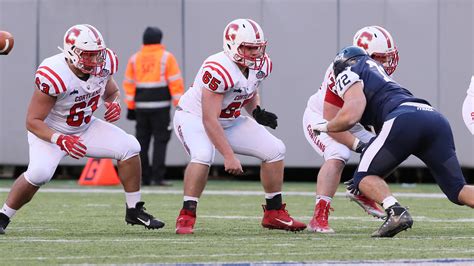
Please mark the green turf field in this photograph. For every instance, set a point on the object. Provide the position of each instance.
(65, 226)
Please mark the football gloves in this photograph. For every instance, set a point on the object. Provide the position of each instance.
(320, 127)
(71, 145)
(113, 111)
(351, 187)
(361, 146)
(265, 118)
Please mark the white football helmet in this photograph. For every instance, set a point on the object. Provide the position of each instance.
(245, 33)
(85, 48)
(379, 44)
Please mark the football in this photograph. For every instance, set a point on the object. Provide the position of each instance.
(6, 42)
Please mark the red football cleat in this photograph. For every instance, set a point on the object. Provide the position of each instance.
(367, 204)
(185, 222)
(280, 219)
(319, 223)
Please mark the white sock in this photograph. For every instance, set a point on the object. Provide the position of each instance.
(7, 211)
(271, 195)
(132, 198)
(187, 198)
(389, 202)
(321, 197)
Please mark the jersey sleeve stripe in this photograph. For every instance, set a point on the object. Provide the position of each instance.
(112, 63)
(63, 87)
(220, 74)
(56, 89)
(225, 70)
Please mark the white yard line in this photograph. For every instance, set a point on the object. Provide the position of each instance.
(457, 261)
(218, 192)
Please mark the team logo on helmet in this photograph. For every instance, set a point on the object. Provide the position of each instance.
(72, 36)
(231, 32)
(364, 40)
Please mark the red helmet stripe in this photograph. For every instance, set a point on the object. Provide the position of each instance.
(96, 35)
(389, 42)
(257, 33)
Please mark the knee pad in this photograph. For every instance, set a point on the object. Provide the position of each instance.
(202, 157)
(39, 175)
(337, 152)
(279, 152)
(131, 149)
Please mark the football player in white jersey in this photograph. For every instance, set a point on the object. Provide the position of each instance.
(468, 107)
(70, 86)
(209, 116)
(336, 147)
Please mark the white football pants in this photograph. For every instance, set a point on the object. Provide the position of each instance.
(245, 136)
(102, 139)
(326, 146)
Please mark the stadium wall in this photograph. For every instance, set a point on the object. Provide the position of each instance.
(434, 37)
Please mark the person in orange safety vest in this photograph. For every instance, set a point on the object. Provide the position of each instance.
(152, 83)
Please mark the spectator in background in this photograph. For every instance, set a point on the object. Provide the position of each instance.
(152, 83)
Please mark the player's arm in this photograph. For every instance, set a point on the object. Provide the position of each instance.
(112, 101)
(252, 104)
(329, 112)
(352, 110)
(112, 92)
(39, 108)
(211, 110)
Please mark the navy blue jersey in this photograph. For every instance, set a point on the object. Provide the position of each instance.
(383, 94)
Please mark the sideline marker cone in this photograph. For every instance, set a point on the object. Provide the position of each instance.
(99, 172)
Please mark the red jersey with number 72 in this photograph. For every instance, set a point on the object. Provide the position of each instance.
(76, 100)
(219, 74)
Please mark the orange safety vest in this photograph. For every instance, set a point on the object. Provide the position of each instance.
(152, 79)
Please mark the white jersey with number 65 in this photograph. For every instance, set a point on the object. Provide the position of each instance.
(219, 74)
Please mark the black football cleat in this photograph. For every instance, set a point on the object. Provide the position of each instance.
(138, 216)
(4, 221)
(398, 219)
